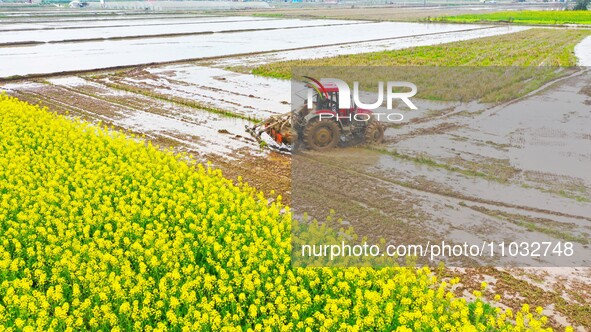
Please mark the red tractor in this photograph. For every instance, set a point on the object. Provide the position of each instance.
(319, 128)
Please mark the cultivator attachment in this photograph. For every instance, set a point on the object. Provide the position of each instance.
(275, 133)
(321, 127)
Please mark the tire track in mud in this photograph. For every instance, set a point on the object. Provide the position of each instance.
(457, 197)
(35, 99)
(399, 211)
(50, 100)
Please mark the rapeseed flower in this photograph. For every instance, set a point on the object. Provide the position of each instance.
(99, 231)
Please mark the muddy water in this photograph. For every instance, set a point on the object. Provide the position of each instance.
(539, 143)
(501, 193)
(548, 133)
(50, 58)
(242, 94)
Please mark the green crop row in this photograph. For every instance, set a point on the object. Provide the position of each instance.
(549, 17)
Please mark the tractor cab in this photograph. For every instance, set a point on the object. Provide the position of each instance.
(326, 101)
(329, 100)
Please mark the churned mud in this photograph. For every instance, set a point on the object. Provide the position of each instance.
(472, 173)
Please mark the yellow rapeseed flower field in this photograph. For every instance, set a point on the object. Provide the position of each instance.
(99, 231)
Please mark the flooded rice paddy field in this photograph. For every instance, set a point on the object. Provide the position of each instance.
(65, 23)
(175, 88)
(249, 37)
(128, 29)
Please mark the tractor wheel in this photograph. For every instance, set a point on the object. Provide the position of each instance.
(374, 133)
(321, 135)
